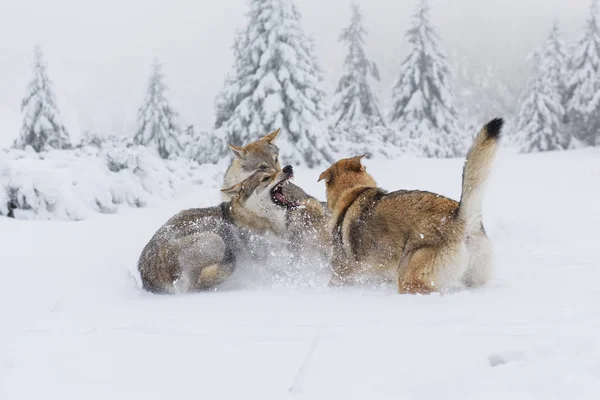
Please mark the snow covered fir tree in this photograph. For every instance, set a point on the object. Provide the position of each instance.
(584, 84)
(423, 111)
(275, 83)
(42, 128)
(354, 99)
(158, 127)
(356, 123)
(555, 60)
(541, 113)
(541, 119)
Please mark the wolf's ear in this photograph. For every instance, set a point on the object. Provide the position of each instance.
(355, 165)
(271, 136)
(238, 152)
(325, 175)
(234, 191)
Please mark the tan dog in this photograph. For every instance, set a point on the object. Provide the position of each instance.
(425, 241)
(307, 224)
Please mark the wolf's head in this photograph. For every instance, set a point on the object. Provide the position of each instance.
(258, 201)
(260, 155)
(343, 175)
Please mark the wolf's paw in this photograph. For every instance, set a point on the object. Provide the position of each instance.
(336, 282)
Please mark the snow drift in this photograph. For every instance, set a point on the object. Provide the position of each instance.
(75, 184)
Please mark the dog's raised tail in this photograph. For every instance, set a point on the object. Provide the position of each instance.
(476, 170)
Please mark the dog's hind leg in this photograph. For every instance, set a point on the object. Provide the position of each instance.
(432, 269)
(205, 261)
(479, 270)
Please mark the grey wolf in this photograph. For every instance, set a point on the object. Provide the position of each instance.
(307, 223)
(426, 242)
(199, 248)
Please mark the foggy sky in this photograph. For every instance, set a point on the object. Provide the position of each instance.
(99, 52)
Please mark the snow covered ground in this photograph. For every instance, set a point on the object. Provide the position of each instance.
(76, 324)
(76, 184)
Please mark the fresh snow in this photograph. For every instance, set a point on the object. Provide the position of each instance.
(77, 325)
(76, 184)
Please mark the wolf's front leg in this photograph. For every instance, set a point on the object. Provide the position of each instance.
(343, 267)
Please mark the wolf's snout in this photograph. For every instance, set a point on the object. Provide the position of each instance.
(288, 169)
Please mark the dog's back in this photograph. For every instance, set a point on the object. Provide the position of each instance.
(193, 242)
(429, 241)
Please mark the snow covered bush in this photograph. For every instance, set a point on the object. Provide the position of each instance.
(206, 146)
(365, 137)
(74, 184)
(97, 140)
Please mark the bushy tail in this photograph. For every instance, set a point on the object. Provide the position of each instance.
(477, 168)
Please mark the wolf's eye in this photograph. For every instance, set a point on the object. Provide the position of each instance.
(263, 166)
(276, 159)
(266, 178)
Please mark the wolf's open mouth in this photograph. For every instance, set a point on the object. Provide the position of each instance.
(279, 198)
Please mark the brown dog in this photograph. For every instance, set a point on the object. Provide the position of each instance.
(425, 241)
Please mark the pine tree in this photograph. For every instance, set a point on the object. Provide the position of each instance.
(157, 120)
(354, 100)
(584, 85)
(42, 128)
(554, 63)
(276, 83)
(541, 112)
(422, 99)
(554, 55)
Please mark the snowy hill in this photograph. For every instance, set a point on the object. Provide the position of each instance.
(77, 325)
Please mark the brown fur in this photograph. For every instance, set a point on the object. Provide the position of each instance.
(260, 155)
(307, 225)
(426, 242)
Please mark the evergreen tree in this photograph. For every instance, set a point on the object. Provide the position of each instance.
(354, 99)
(554, 56)
(42, 128)
(276, 83)
(483, 90)
(422, 99)
(554, 63)
(541, 112)
(157, 120)
(584, 83)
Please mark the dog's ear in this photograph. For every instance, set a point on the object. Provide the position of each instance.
(355, 165)
(238, 152)
(271, 136)
(234, 191)
(325, 175)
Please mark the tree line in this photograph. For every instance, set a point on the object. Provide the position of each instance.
(276, 81)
